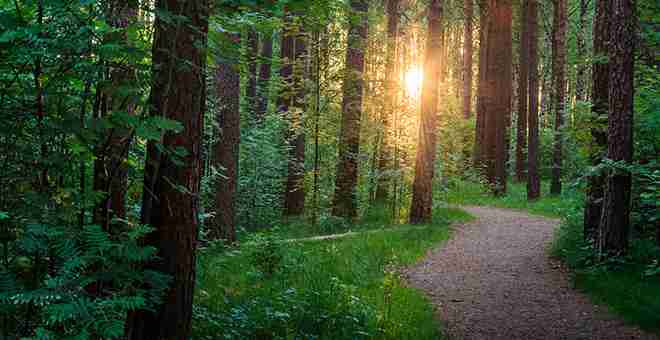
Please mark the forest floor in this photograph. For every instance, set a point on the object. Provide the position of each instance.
(495, 280)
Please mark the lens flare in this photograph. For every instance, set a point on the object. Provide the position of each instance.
(414, 78)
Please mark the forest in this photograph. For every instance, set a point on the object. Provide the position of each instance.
(329, 169)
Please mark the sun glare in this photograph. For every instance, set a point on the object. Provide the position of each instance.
(414, 78)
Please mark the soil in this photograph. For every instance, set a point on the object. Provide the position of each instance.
(495, 280)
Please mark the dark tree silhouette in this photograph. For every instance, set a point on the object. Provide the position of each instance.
(225, 151)
(523, 96)
(480, 127)
(422, 198)
(600, 78)
(344, 201)
(533, 181)
(559, 95)
(171, 184)
(615, 221)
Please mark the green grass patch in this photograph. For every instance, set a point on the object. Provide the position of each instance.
(622, 284)
(346, 288)
(471, 193)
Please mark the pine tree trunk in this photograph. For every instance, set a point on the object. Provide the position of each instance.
(171, 186)
(523, 95)
(498, 92)
(225, 151)
(422, 199)
(559, 97)
(480, 133)
(581, 74)
(294, 197)
(344, 201)
(263, 83)
(533, 181)
(385, 155)
(615, 221)
(467, 60)
(600, 77)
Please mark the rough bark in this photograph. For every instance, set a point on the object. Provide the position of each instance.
(385, 155)
(422, 198)
(467, 60)
(294, 198)
(615, 221)
(559, 96)
(110, 168)
(523, 95)
(599, 96)
(533, 181)
(170, 203)
(498, 92)
(225, 151)
(344, 201)
(480, 133)
(263, 83)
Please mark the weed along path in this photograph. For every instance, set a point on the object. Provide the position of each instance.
(495, 280)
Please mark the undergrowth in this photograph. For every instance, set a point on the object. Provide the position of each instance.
(347, 288)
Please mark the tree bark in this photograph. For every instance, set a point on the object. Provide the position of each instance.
(533, 181)
(523, 95)
(422, 198)
(467, 60)
(480, 133)
(385, 155)
(615, 221)
(294, 198)
(498, 92)
(225, 151)
(170, 202)
(559, 97)
(581, 74)
(600, 78)
(344, 201)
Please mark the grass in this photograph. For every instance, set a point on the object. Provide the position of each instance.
(622, 287)
(333, 289)
(470, 193)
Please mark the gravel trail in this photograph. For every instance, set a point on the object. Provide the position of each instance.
(494, 280)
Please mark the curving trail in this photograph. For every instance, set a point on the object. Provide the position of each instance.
(494, 280)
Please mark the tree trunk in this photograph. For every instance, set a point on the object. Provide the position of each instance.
(263, 84)
(467, 60)
(225, 151)
(344, 201)
(422, 199)
(480, 133)
(170, 203)
(498, 92)
(581, 74)
(385, 156)
(559, 97)
(523, 95)
(615, 221)
(533, 181)
(600, 77)
(294, 197)
(110, 169)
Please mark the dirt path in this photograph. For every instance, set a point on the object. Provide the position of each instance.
(494, 280)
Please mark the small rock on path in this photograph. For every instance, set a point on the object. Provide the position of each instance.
(494, 280)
